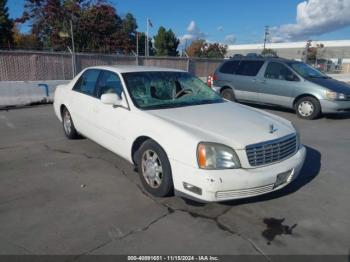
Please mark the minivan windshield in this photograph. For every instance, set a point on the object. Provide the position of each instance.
(166, 89)
(306, 71)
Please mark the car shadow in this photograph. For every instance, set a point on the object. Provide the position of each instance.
(338, 116)
(334, 116)
(309, 171)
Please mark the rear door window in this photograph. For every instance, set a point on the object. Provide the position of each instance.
(229, 67)
(279, 71)
(87, 82)
(249, 68)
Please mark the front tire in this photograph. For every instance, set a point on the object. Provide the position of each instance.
(154, 169)
(308, 108)
(68, 125)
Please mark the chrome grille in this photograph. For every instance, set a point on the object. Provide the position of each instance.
(244, 192)
(271, 151)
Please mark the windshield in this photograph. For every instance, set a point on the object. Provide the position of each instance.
(156, 90)
(306, 70)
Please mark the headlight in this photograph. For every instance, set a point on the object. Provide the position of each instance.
(334, 95)
(216, 156)
(298, 135)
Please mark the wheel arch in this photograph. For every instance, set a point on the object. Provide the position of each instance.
(62, 107)
(226, 87)
(296, 99)
(139, 141)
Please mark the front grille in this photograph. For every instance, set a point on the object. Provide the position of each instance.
(271, 151)
(232, 194)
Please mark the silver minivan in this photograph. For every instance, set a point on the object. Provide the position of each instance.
(281, 82)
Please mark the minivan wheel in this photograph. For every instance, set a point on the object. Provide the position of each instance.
(154, 169)
(68, 125)
(308, 108)
(228, 94)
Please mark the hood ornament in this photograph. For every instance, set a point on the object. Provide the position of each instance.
(272, 129)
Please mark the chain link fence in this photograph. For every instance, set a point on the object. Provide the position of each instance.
(35, 66)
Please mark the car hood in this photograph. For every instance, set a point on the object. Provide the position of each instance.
(332, 84)
(229, 123)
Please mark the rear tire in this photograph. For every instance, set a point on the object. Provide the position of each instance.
(154, 169)
(308, 108)
(68, 125)
(228, 94)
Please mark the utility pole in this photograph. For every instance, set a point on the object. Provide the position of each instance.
(267, 33)
(146, 50)
(73, 49)
(137, 48)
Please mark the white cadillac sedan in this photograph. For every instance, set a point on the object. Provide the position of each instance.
(181, 135)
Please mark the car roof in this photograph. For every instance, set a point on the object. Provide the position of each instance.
(261, 58)
(134, 68)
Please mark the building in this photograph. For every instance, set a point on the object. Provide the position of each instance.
(336, 51)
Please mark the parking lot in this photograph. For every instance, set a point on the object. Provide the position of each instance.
(59, 196)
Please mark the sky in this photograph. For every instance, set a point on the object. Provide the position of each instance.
(236, 21)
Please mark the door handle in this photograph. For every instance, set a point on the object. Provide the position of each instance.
(262, 81)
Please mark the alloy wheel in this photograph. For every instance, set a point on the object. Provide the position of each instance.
(67, 123)
(152, 169)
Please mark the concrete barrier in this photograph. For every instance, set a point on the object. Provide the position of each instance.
(341, 77)
(17, 93)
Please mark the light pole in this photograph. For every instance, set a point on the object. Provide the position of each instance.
(65, 34)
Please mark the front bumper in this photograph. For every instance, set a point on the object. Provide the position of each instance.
(329, 106)
(222, 185)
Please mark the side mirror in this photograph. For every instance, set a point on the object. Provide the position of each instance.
(111, 99)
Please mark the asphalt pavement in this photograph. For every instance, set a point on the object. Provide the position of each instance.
(59, 196)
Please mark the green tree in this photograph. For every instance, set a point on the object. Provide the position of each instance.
(215, 50)
(268, 52)
(6, 25)
(200, 48)
(314, 53)
(142, 41)
(166, 42)
(126, 34)
(196, 48)
(47, 19)
(25, 41)
(96, 25)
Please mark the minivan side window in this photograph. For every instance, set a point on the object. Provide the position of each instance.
(108, 83)
(279, 71)
(249, 68)
(87, 82)
(229, 67)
